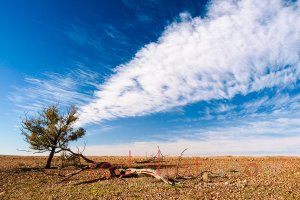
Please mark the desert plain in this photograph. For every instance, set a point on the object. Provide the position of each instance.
(221, 177)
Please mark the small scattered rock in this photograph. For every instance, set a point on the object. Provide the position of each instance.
(205, 177)
(241, 183)
(297, 173)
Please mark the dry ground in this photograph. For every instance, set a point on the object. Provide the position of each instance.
(233, 178)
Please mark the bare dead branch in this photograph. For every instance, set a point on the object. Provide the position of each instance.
(149, 172)
(178, 163)
(67, 176)
(159, 157)
(114, 170)
(80, 155)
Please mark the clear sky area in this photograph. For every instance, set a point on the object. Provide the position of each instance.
(216, 77)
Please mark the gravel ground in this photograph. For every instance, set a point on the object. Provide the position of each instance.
(227, 178)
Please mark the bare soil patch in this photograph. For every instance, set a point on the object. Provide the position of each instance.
(215, 178)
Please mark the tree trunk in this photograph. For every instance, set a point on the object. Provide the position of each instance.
(48, 165)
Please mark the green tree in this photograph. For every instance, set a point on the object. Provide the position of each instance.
(51, 131)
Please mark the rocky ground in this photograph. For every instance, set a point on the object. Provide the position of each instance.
(214, 178)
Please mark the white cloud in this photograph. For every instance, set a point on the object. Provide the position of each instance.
(265, 135)
(52, 88)
(239, 47)
(222, 108)
(279, 137)
(282, 104)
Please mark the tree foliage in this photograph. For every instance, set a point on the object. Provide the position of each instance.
(51, 130)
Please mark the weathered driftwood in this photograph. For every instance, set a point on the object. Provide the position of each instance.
(149, 172)
(123, 172)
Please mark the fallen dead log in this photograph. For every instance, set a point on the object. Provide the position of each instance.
(149, 172)
(123, 172)
(93, 166)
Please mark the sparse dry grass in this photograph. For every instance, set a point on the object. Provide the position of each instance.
(238, 178)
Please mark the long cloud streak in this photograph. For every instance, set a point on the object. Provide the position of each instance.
(239, 47)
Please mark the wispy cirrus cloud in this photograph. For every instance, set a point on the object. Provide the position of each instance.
(267, 137)
(272, 106)
(239, 47)
(73, 87)
(275, 132)
(107, 42)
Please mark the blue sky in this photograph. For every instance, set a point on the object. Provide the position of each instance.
(217, 77)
